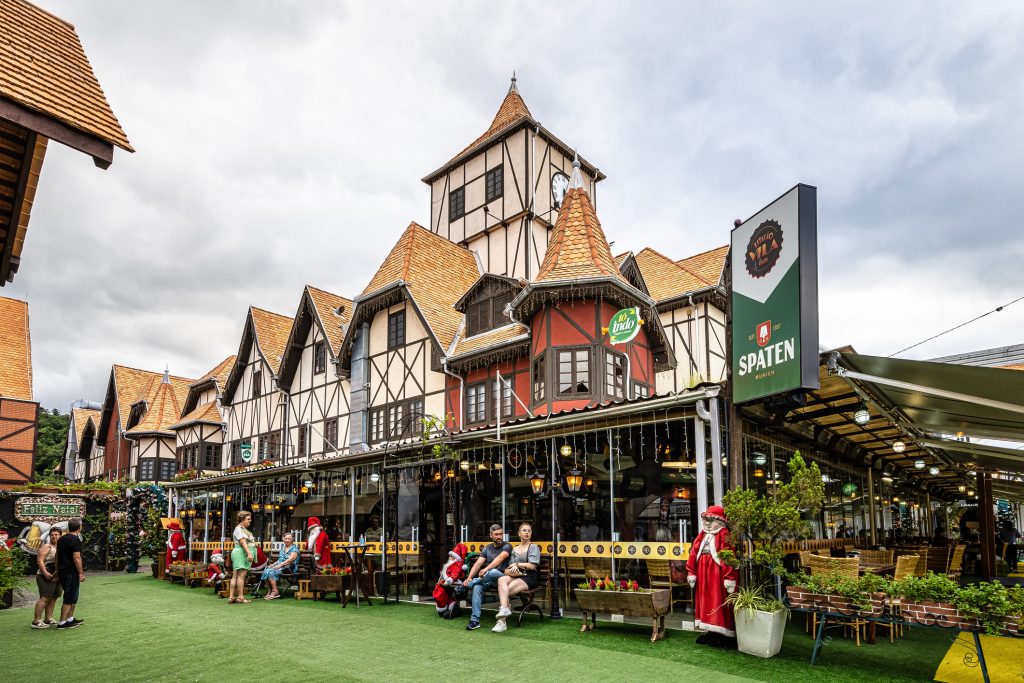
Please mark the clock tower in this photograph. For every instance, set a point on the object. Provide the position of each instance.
(501, 194)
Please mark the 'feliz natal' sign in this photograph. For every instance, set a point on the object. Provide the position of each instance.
(775, 298)
(48, 509)
(624, 326)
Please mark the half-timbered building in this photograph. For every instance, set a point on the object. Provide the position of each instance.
(131, 396)
(199, 434)
(255, 407)
(311, 375)
(18, 410)
(80, 440)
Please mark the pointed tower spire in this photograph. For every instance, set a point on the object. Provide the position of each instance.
(513, 88)
(167, 375)
(576, 182)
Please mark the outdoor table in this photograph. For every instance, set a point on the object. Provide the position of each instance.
(356, 554)
(876, 568)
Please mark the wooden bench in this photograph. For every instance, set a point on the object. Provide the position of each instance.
(528, 598)
(292, 579)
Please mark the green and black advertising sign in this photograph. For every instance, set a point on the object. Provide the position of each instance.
(775, 298)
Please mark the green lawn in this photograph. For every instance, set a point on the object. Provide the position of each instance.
(138, 629)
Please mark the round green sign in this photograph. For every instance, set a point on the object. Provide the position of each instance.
(850, 489)
(624, 325)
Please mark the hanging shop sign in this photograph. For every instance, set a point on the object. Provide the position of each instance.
(48, 509)
(246, 452)
(775, 298)
(624, 326)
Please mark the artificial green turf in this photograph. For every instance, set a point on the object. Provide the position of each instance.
(138, 629)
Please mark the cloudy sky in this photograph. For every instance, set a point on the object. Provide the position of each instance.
(282, 143)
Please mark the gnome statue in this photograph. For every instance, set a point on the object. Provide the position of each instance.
(318, 543)
(712, 580)
(176, 548)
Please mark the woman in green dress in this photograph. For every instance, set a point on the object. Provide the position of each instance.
(241, 557)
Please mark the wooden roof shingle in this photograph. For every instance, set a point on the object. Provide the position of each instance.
(15, 350)
(326, 305)
(578, 246)
(272, 331)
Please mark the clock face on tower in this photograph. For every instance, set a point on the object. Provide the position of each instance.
(559, 186)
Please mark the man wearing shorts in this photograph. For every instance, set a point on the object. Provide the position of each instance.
(70, 572)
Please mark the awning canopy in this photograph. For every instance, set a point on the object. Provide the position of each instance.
(943, 398)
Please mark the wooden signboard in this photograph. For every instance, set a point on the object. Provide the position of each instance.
(48, 509)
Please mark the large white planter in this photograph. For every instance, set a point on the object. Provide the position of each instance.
(760, 633)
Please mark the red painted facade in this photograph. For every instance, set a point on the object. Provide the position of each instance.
(569, 325)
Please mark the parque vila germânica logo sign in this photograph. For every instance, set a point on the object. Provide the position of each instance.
(764, 249)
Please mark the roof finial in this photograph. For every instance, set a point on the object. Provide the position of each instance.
(167, 375)
(577, 178)
(513, 88)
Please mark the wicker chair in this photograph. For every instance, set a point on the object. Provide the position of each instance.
(805, 560)
(922, 562)
(659, 575)
(956, 561)
(845, 566)
(572, 574)
(906, 565)
(876, 557)
(597, 567)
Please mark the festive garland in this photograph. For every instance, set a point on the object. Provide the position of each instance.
(140, 500)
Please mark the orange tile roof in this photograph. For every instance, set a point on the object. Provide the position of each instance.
(44, 67)
(438, 272)
(578, 247)
(133, 385)
(219, 373)
(622, 257)
(666, 279)
(15, 350)
(272, 330)
(708, 265)
(1013, 367)
(208, 412)
(81, 417)
(489, 339)
(326, 304)
(512, 110)
(162, 410)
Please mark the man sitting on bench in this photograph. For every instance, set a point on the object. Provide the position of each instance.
(486, 572)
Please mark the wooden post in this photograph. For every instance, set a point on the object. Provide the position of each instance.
(986, 526)
(734, 423)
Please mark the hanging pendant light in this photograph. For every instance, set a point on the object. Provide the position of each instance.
(862, 416)
(565, 450)
(919, 464)
(899, 446)
(933, 470)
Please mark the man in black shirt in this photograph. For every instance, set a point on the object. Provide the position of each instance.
(70, 572)
(486, 571)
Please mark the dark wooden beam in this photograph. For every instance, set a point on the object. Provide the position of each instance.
(8, 264)
(101, 151)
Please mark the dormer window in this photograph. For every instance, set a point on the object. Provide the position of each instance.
(487, 314)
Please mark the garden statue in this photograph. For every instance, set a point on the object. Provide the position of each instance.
(215, 571)
(448, 583)
(176, 548)
(712, 580)
(318, 543)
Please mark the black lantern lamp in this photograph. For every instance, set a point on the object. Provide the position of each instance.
(574, 480)
(537, 483)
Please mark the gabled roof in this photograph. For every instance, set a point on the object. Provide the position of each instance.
(326, 306)
(162, 410)
(208, 413)
(436, 273)
(269, 332)
(217, 376)
(272, 331)
(15, 350)
(707, 265)
(43, 67)
(500, 281)
(81, 416)
(512, 114)
(128, 386)
(665, 278)
(578, 246)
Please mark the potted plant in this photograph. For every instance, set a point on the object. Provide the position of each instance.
(760, 523)
(13, 564)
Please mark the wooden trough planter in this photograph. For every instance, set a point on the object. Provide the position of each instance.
(648, 603)
(328, 583)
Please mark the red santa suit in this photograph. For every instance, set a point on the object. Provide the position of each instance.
(215, 570)
(453, 570)
(712, 579)
(318, 543)
(176, 547)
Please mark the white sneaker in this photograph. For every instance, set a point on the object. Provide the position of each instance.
(504, 612)
(500, 627)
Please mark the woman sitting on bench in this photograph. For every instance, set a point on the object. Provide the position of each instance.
(287, 560)
(521, 574)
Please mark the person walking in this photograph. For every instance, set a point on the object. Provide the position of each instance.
(70, 572)
(46, 581)
(241, 557)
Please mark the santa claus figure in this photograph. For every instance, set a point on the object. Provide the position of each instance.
(453, 571)
(215, 571)
(712, 580)
(318, 543)
(176, 548)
